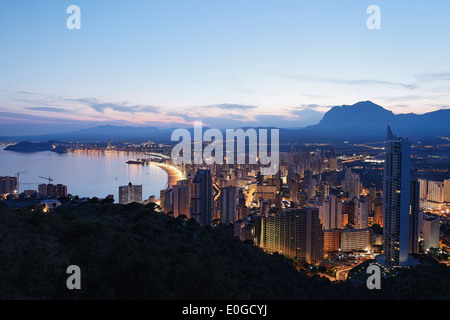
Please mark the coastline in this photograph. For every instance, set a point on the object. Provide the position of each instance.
(173, 174)
(86, 173)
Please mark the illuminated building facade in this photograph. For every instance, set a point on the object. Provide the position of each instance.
(414, 217)
(202, 203)
(356, 240)
(8, 185)
(396, 199)
(228, 205)
(296, 234)
(181, 200)
(331, 240)
(130, 193)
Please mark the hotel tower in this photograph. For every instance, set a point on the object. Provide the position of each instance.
(396, 200)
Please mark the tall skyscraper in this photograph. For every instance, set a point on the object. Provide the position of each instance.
(202, 203)
(423, 192)
(181, 200)
(228, 205)
(331, 213)
(361, 211)
(311, 191)
(168, 201)
(414, 217)
(293, 191)
(130, 193)
(396, 199)
(352, 184)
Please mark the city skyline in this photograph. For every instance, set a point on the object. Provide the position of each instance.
(155, 63)
(325, 209)
(224, 150)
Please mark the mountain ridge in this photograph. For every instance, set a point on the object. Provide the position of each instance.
(362, 121)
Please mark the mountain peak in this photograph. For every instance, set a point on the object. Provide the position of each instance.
(363, 111)
(364, 106)
(367, 120)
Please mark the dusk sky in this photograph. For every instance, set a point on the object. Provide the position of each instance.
(229, 63)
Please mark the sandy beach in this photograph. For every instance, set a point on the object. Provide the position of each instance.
(173, 174)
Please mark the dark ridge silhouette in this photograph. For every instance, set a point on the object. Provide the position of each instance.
(133, 252)
(367, 121)
(363, 121)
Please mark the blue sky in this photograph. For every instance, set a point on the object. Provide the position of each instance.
(226, 62)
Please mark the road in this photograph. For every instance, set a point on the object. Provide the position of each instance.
(173, 173)
(342, 274)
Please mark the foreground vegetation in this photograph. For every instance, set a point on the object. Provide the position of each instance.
(134, 252)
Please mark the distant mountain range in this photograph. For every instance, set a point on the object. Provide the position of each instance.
(363, 121)
(366, 121)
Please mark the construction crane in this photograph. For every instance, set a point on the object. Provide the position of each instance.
(19, 173)
(49, 179)
(18, 180)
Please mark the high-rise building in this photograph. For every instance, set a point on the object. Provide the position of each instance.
(168, 201)
(435, 191)
(307, 177)
(352, 184)
(241, 204)
(202, 203)
(431, 229)
(333, 164)
(9, 185)
(361, 213)
(311, 191)
(162, 195)
(447, 190)
(378, 212)
(274, 182)
(356, 240)
(331, 213)
(302, 199)
(296, 234)
(348, 208)
(414, 217)
(265, 192)
(228, 205)
(181, 200)
(61, 190)
(423, 188)
(51, 190)
(332, 179)
(371, 198)
(396, 199)
(293, 191)
(130, 193)
(42, 189)
(331, 240)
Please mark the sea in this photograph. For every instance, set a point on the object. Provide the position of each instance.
(90, 173)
